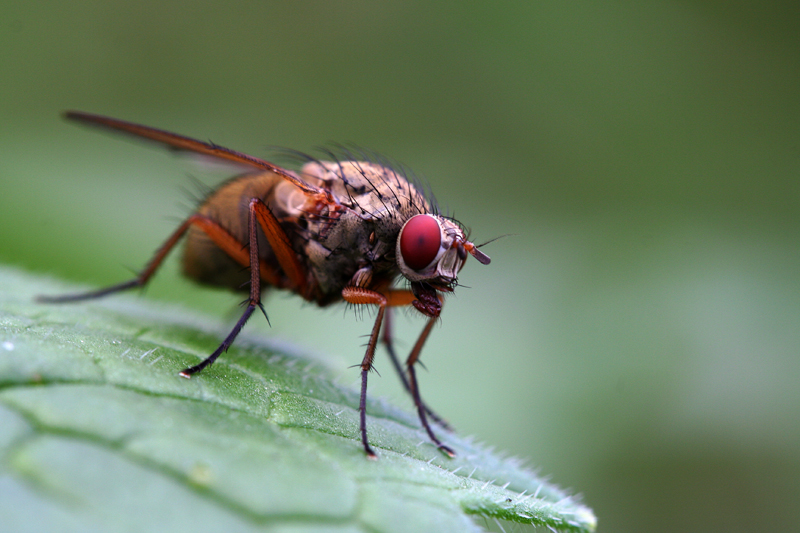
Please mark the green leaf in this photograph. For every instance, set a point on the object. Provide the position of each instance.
(99, 433)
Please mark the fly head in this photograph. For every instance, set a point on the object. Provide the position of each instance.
(430, 252)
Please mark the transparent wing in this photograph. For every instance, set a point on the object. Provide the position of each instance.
(177, 142)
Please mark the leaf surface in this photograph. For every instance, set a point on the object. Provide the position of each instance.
(99, 433)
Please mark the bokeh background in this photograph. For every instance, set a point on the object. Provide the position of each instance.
(638, 337)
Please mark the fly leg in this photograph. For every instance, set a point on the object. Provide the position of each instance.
(139, 281)
(386, 338)
(392, 298)
(259, 215)
(219, 235)
(361, 296)
(222, 238)
(414, 388)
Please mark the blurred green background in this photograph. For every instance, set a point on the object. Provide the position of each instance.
(638, 337)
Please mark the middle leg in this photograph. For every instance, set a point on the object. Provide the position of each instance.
(253, 301)
(414, 387)
(387, 339)
(259, 216)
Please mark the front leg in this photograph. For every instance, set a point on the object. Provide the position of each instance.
(412, 381)
(425, 301)
(362, 296)
(387, 339)
(429, 303)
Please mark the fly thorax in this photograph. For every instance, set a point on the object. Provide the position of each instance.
(347, 235)
(370, 189)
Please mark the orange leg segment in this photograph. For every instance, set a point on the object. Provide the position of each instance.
(280, 244)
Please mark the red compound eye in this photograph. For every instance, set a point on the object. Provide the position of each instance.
(420, 241)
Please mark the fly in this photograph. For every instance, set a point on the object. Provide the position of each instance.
(340, 230)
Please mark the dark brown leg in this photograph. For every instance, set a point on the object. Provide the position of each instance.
(412, 378)
(360, 296)
(259, 214)
(140, 280)
(187, 372)
(387, 341)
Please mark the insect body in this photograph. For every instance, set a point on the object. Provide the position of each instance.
(338, 230)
